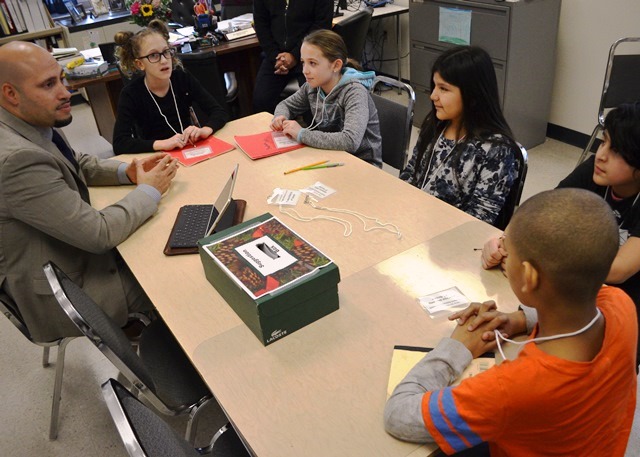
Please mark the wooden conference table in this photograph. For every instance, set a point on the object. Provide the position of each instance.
(321, 390)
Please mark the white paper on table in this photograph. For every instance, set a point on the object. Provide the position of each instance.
(445, 300)
(92, 53)
(197, 152)
(318, 190)
(283, 141)
(284, 197)
(185, 31)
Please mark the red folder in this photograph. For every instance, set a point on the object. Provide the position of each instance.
(203, 150)
(261, 145)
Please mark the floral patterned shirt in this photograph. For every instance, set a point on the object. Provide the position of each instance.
(478, 184)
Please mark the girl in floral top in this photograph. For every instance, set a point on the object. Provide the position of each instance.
(465, 154)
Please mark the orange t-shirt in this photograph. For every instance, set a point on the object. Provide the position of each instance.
(539, 404)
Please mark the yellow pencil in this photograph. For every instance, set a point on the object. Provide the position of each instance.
(306, 166)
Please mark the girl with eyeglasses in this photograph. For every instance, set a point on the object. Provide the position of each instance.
(155, 109)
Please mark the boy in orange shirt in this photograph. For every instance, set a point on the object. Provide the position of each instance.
(572, 390)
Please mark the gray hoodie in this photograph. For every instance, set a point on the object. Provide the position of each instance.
(345, 119)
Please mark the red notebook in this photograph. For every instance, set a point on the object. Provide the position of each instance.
(203, 150)
(263, 145)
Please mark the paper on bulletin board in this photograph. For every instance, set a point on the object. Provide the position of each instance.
(455, 26)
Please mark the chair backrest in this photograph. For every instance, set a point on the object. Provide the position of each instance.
(234, 8)
(395, 120)
(513, 199)
(204, 67)
(94, 323)
(353, 30)
(182, 12)
(143, 433)
(621, 76)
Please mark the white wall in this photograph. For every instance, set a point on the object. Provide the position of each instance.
(587, 30)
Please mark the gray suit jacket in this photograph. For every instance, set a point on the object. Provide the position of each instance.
(45, 214)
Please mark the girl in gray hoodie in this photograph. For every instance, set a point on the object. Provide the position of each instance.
(344, 115)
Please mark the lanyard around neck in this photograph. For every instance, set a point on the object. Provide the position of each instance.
(175, 103)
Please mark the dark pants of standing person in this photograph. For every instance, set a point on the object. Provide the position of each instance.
(269, 86)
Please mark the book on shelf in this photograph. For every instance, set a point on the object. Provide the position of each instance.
(202, 150)
(266, 144)
(6, 21)
(14, 11)
(15, 4)
(23, 6)
(64, 52)
(36, 15)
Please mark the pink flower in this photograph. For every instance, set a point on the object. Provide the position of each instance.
(135, 8)
(156, 3)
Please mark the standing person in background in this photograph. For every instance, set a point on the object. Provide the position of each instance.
(155, 110)
(465, 154)
(281, 26)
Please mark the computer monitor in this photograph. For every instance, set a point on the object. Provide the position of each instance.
(340, 5)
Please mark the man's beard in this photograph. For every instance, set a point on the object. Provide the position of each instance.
(63, 122)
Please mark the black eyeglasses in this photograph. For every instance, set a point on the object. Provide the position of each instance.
(154, 57)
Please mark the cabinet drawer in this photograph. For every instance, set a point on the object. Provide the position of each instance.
(422, 59)
(489, 24)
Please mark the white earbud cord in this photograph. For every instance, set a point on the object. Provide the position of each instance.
(546, 338)
(348, 227)
(311, 125)
(388, 226)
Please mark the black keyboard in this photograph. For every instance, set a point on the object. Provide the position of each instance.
(192, 225)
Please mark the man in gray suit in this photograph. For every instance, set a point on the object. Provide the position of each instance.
(45, 212)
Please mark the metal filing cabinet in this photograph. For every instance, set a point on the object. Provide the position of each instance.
(519, 36)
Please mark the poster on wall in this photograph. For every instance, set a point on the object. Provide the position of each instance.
(455, 26)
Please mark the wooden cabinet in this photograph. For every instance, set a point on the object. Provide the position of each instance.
(519, 36)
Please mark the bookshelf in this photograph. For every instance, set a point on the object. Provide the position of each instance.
(56, 32)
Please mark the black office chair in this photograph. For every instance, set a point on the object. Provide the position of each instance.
(182, 13)
(204, 67)
(395, 120)
(513, 199)
(353, 30)
(11, 312)
(144, 434)
(620, 85)
(234, 8)
(160, 373)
